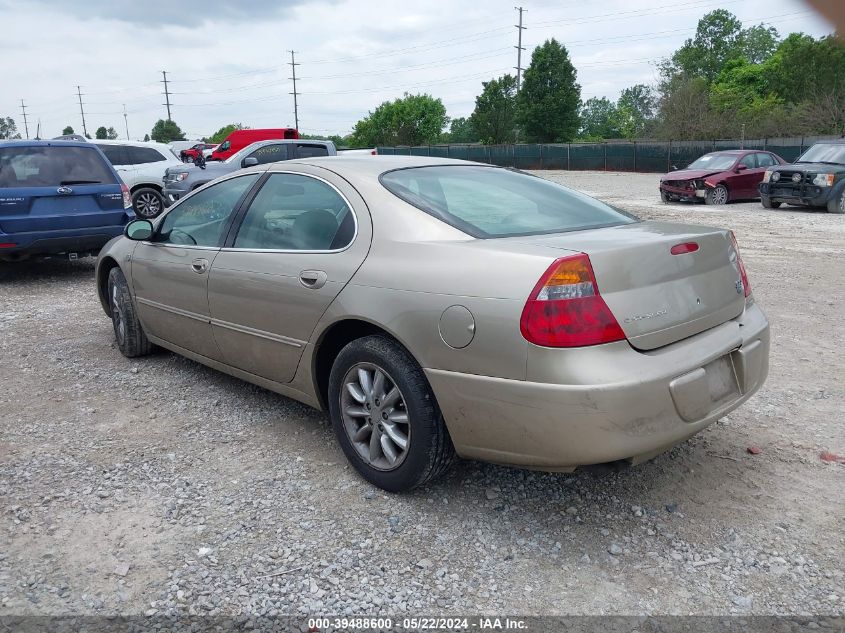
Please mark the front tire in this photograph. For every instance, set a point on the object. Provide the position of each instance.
(837, 203)
(128, 332)
(768, 203)
(665, 196)
(385, 415)
(147, 203)
(716, 195)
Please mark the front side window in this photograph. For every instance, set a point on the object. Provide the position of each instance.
(296, 212)
(749, 161)
(270, 154)
(488, 202)
(226, 145)
(52, 166)
(202, 218)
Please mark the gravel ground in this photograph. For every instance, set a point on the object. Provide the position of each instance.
(158, 486)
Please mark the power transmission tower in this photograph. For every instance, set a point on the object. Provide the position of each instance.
(293, 66)
(81, 111)
(519, 48)
(23, 112)
(126, 121)
(166, 93)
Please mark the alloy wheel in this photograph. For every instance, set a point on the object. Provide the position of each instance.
(375, 416)
(147, 205)
(720, 195)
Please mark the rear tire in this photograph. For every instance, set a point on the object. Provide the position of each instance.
(147, 203)
(716, 195)
(128, 332)
(768, 203)
(837, 203)
(428, 451)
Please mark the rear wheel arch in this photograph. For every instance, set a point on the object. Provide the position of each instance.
(333, 339)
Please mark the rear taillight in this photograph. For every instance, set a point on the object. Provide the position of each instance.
(565, 308)
(127, 198)
(374, 152)
(7, 244)
(742, 274)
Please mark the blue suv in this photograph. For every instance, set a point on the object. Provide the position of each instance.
(58, 198)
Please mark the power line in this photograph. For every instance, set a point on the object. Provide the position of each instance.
(519, 49)
(166, 94)
(81, 111)
(293, 66)
(23, 112)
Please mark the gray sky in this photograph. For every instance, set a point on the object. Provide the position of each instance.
(225, 59)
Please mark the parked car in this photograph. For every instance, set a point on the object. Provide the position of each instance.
(182, 179)
(58, 197)
(435, 306)
(816, 179)
(719, 177)
(141, 165)
(200, 149)
(238, 139)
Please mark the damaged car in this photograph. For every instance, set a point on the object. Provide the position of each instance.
(719, 177)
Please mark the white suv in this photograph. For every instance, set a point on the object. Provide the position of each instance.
(141, 166)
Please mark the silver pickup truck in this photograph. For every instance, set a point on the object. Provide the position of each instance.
(180, 180)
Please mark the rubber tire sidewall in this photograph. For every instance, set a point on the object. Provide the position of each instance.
(708, 195)
(430, 452)
(834, 204)
(137, 193)
(135, 342)
(768, 204)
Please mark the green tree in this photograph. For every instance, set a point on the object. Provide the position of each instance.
(548, 102)
(635, 111)
(685, 111)
(111, 133)
(461, 130)
(68, 130)
(146, 137)
(166, 131)
(494, 117)
(101, 133)
(599, 119)
(8, 129)
(224, 131)
(717, 39)
(758, 43)
(411, 120)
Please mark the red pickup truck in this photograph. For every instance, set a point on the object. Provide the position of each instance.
(191, 154)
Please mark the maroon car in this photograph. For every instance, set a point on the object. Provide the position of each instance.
(719, 177)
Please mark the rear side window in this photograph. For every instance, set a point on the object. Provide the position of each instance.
(309, 151)
(143, 155)
(115, 153)
(270, 154)
(488, 202)
(765, 160)
(51, 166)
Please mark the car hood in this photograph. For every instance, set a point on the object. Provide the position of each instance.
(210, 168)
(690, 174)
(811, 167)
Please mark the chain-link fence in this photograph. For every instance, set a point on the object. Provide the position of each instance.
(643, 156)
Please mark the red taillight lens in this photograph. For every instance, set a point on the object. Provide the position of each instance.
(566, 310)
(686, 247)
(7, 244)
(127, 198)
(742, 274)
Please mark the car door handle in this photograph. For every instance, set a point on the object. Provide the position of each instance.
(199, 266)
(313, 278)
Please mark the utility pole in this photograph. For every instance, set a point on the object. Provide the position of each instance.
(126, 121)
(166, 93)
(519, 48)
(23, 112)
(81, 111)
(293, 66)
(742, 139)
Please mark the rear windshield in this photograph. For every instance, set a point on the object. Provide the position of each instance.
(493, 202)
(824, 153)
(50, 166)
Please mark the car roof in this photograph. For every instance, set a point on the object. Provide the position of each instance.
(374, 166)
(44, 143)
(132, 143)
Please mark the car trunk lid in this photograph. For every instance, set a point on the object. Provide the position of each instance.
(656, 296)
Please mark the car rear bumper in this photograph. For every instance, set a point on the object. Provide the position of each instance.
(810, 195)
(617, 403)
(88, 240)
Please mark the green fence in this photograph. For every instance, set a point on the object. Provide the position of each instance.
(642, 156)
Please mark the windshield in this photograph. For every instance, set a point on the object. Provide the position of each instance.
(51, 166)
(493, 202)
(824, 153)
(714, 161)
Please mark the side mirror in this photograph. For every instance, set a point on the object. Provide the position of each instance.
(139, 230)
(249, 161)
(741, 167)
